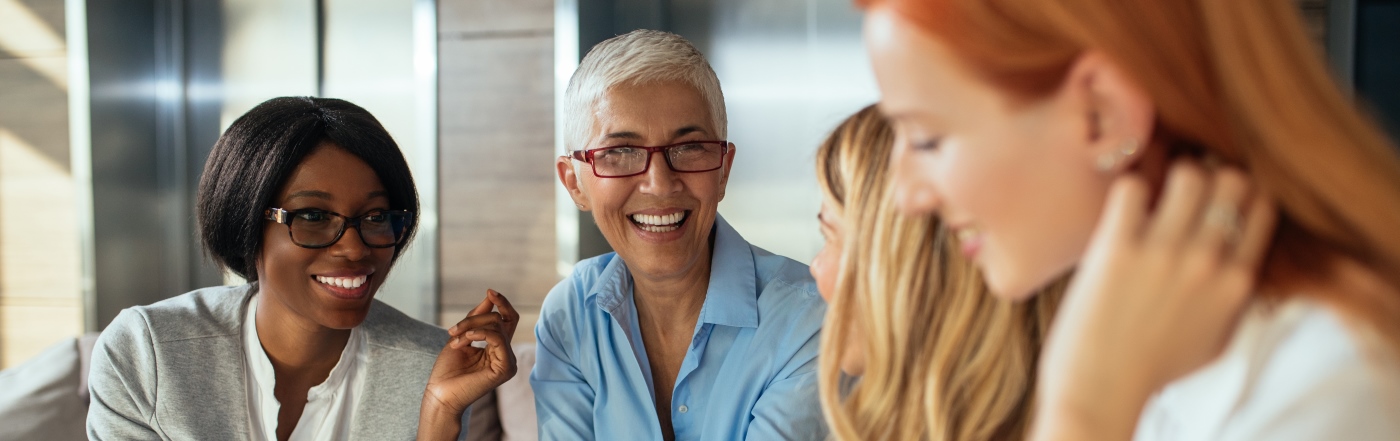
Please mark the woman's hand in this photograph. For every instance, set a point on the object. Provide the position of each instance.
(1155, 297)
(463, 372)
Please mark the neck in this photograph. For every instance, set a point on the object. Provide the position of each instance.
(298, 349)
(673, 301)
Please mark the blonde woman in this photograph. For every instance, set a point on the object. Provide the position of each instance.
(1229, 214)
(938, 358)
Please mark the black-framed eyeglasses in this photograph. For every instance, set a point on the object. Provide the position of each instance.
(316, 228)
(631, 160)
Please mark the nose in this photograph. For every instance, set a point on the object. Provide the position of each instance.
(659, 178)
(350, 246)
(914, 194)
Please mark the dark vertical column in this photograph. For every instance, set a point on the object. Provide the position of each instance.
(143, 167)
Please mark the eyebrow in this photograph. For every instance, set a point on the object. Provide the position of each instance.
(318, 194)
(634, 135)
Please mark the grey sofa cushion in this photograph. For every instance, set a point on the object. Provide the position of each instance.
(45, 398)
(516, 401)
(508, 413)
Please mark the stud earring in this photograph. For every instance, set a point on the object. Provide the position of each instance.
(1109, 160)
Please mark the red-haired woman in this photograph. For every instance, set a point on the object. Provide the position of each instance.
(1231, 215)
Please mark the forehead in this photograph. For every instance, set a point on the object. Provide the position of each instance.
(651, 112)
(918, 75)
(332, 170)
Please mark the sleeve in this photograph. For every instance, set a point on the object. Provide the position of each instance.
(790, 408)
(563, 398)
(122, 381)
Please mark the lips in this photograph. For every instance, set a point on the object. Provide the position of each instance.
(353, 285)
(659, 223)
(970, 240)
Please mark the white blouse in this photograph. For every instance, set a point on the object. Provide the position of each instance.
(330, 406)
(1292, 371)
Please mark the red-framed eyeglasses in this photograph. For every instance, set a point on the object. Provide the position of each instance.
(631, 160)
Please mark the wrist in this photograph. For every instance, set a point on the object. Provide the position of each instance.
(438, 421)
(1108, 413)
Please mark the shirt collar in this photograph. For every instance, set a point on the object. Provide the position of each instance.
(732, 299)
(732, 296)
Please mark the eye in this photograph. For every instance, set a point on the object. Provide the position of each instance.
(378, 216)
(313, 216)
(693, 147)
(925, 145)
(619, 151)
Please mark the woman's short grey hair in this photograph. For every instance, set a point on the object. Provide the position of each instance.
(637, 58)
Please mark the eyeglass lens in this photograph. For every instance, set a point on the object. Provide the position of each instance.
(693, 157)
(377, 229)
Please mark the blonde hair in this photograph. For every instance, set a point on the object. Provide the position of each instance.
(637, 58)
(1238, 79)
(944, 359)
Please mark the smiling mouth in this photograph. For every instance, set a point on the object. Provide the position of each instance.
(660, 223)
(343, 282)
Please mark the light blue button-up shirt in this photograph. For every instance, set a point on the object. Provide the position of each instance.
(750, 372)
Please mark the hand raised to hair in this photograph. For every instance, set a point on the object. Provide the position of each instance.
(1155, 297)
(464, 373)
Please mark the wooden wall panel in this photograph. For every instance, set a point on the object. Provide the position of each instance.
(40, 297)
(496, 129)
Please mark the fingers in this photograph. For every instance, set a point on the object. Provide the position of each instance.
(473, 334)
(491, 335)
(483, 307)
(1179, 208)
(493, 299)
(1258, 232)
(1126, 208)
(509, 317)
(1219, 225)
(474, 321)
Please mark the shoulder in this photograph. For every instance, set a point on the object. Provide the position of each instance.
(389, 328)
(1297, 342)
(790, 313)
(572, 293)
(1294, 370)
(785, 286)
(208, 312)
(1313, 376)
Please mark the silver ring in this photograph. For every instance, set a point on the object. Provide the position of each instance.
(1225, 218)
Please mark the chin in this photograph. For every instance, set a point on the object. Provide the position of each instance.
(854, 368)
(344, 320)
(1010, 285)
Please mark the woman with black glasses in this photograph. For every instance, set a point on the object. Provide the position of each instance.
(311, 201)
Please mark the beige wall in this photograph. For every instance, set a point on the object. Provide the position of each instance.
(496, 128)
(39, 266)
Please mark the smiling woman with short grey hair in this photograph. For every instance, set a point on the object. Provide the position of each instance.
(687, 331)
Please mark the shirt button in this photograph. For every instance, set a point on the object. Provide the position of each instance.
(684, 409)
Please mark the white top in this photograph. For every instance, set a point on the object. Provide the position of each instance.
(330, 405)
(1291, 372)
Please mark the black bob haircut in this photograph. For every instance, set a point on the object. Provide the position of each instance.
(253, 159)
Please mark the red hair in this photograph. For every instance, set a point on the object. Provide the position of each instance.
(1238, 79)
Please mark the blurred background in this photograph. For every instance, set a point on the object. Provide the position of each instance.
(108, 110)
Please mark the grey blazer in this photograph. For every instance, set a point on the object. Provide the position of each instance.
(175, 370)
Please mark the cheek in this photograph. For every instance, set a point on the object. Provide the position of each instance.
(853, 360)
(282, 262)
(969, 177)
(824, 270)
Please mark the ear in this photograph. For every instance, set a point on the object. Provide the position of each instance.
(564, 167)
(724, 171)
(1118, 114)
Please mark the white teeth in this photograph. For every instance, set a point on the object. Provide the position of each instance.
(343, 282)
(659, 223)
